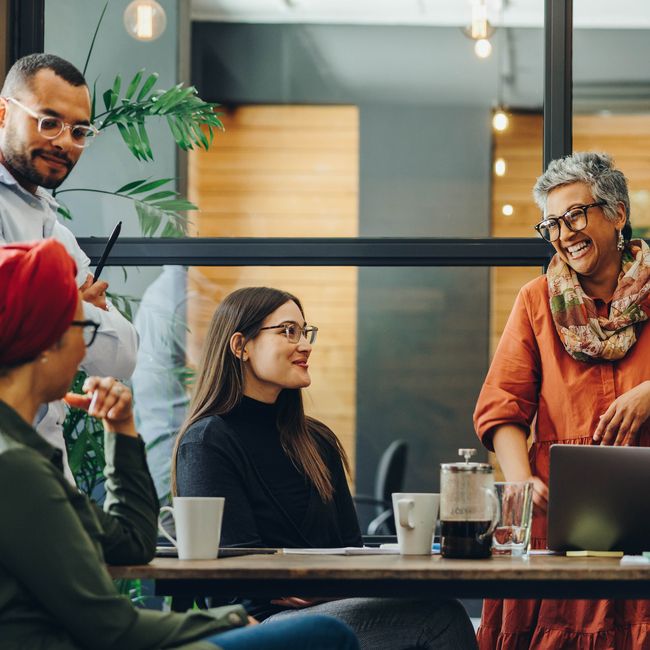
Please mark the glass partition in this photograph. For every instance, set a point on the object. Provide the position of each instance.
(611, 93)
(401, 353)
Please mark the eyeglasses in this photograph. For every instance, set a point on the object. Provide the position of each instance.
(90, 328)
(293, 332)
(51, 127)
(574, 219)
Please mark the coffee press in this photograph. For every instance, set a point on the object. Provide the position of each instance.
(469, 509)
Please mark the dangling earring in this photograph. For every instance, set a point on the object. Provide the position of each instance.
(620, 244)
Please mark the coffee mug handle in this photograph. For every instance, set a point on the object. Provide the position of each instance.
(404, 510)
(496, 513)
(160, 526)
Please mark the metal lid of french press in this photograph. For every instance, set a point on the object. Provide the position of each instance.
(477, 468)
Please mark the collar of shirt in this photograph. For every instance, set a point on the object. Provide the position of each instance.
(13, 426)
(49, 216)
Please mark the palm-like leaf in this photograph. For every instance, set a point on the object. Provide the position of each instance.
(191, 120)
(152, 207)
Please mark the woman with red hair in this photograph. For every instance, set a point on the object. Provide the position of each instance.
(55, 591)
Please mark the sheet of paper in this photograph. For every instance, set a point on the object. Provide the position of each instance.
(634, 560)
(345, 550)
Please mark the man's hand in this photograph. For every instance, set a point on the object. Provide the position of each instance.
(621, 422)
(94, 292)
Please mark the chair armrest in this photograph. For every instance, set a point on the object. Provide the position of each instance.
(365, 499)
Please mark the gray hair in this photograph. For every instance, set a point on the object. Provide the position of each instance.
(596, 170)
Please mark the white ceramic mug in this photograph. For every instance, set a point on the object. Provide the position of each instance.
(198, 526)
(415, 521)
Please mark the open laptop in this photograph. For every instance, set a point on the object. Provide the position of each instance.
(599, 498)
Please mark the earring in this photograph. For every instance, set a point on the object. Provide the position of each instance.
(620, 243)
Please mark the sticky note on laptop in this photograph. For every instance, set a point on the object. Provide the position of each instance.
(594, 553)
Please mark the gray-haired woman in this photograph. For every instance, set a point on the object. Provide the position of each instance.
(572, 366)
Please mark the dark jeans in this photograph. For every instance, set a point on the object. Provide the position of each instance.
(310, 632)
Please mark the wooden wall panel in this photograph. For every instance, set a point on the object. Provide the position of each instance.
(286, 171)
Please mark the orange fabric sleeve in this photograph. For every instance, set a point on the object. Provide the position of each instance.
(510, 392)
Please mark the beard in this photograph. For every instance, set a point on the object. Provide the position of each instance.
(21, 164)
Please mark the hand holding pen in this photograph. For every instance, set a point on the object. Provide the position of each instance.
(93, 290)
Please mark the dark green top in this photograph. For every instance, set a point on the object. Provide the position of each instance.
(55, 591)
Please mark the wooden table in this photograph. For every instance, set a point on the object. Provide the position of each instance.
(393, 575)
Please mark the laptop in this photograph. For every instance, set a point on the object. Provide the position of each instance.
(599, 498)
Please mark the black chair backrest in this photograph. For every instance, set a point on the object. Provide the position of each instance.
(390, 473)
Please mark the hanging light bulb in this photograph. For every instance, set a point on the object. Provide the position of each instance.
(479, 26)
(500, 120)
(482, 48)
(500, 167)
(480, 29)
(145, 20)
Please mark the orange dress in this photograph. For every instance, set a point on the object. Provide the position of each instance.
(533, 381)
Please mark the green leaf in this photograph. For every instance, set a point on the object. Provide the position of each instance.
(117, 84)
(172, 230)
(156, 196)
(149, 218)
(176, 133)
(148, 187)
(135, 82)
(76, 453)
(130, 186)
(147, 86)
(107, 99)
(93, 103)
(64, 211)
(145, 138)
(176, 204)
(137, 143)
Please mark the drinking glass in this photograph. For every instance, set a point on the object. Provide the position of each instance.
(512, 533)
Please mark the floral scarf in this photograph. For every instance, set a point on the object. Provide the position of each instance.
(587, 336)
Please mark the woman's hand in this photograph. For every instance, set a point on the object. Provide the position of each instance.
(108, 399)
(621, 422)
(540, 494)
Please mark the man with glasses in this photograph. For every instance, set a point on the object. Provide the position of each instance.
(44, 128)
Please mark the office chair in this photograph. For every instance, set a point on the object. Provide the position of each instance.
(389, 478)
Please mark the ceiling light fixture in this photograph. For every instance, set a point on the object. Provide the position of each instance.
(479, 29)
(145, 20)
(500, 167)
(500, 120)
(507, 210)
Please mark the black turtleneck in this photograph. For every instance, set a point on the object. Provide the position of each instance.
(269, 503)
(257, 432)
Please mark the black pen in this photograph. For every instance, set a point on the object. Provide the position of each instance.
(111, 241)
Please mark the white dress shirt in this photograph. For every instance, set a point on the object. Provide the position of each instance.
(28, 217)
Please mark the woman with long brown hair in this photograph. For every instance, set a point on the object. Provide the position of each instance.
(247, 438)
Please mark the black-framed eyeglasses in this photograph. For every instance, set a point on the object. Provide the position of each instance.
(51, 127)
(293, 331)
(575, 219)
(89, 327)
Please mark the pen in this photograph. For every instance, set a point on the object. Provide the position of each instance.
(109, 245)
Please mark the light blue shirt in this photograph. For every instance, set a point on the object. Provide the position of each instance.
(161, 397)
(28, 217)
